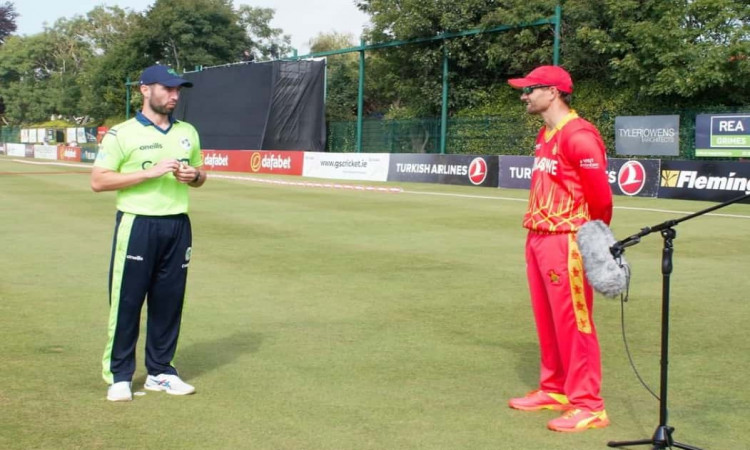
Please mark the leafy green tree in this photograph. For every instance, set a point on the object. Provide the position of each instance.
(409, 78)
(677, 53)
(188, 33)
(265, 42)
(119, 53)
(342, 75)
(685, 49)
(8, 17)
(38, 74)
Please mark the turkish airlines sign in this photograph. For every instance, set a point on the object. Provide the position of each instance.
(444, 169)
(629, 177)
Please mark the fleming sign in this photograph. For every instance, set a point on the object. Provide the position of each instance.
(726, 135)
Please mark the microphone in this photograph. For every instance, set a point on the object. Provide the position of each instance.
(605, 267)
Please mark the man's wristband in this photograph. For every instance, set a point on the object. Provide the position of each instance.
(197, 177)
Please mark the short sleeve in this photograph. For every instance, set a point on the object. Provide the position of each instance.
(110, 154)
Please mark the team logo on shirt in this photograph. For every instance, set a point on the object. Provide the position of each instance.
(185, 143)
(631, 178)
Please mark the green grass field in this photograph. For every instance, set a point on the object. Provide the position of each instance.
(322, 318)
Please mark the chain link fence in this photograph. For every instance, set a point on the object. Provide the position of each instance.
(490, 135)
(10, 134)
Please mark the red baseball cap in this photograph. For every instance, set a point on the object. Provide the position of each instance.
(545, 76)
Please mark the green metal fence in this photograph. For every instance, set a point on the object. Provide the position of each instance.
(10, 134)
(491, 135)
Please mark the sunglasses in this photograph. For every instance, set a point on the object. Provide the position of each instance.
(529, 89)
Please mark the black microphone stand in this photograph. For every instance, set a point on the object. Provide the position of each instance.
(662, 437)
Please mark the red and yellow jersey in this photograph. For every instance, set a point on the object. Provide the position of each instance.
(569, 184)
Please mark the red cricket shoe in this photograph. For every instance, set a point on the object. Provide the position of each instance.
(575, 420)
(539, 400)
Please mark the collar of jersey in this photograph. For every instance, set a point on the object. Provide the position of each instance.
(570, 116)
(145, 121)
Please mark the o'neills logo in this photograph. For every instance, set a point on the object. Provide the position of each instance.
(269, 161)
(478, 171)
(155, 146)
(213, 160)
(631, 178)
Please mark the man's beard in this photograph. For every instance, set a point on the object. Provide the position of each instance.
(161, 109)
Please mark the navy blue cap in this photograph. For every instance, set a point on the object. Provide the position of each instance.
(166, 76)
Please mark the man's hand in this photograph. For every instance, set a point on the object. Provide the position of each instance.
(185, 174)
(164, 166)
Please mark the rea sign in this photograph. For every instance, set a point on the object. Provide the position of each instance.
(726, 135)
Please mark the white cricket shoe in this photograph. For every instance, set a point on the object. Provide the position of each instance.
(119, 392)
(171, 384)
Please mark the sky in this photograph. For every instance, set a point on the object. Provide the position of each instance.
(301, 19)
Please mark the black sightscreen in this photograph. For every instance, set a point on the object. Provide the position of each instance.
(277, 105)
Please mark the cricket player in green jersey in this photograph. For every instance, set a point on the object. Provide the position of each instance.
(151, 161)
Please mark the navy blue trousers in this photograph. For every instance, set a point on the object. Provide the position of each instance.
(150, 259)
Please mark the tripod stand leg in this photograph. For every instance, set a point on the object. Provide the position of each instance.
(629, 443)
(684, 446)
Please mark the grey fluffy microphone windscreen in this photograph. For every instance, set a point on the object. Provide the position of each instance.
(607, 275)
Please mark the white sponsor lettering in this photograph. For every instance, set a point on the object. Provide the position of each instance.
(276, 162)
(650, 134)
(523, 173)
(726, 140)
(690, 179)
(134, 258)
(434, 169)
(216, 160)
(589, 163)
(545, 165)
(731, 125)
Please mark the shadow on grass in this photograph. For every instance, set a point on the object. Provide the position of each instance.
(202, 357)
(526, 361)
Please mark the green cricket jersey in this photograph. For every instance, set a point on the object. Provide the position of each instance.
(138, 144)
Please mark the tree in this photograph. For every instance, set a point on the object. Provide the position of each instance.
(670, 52)
(189, 33)
(265, 43)
(342, 75)
(409, 78)
(8, 17)
(29, 71)
(685, 49)
(118, 53)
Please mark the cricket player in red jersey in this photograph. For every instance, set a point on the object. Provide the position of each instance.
(569, 187)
